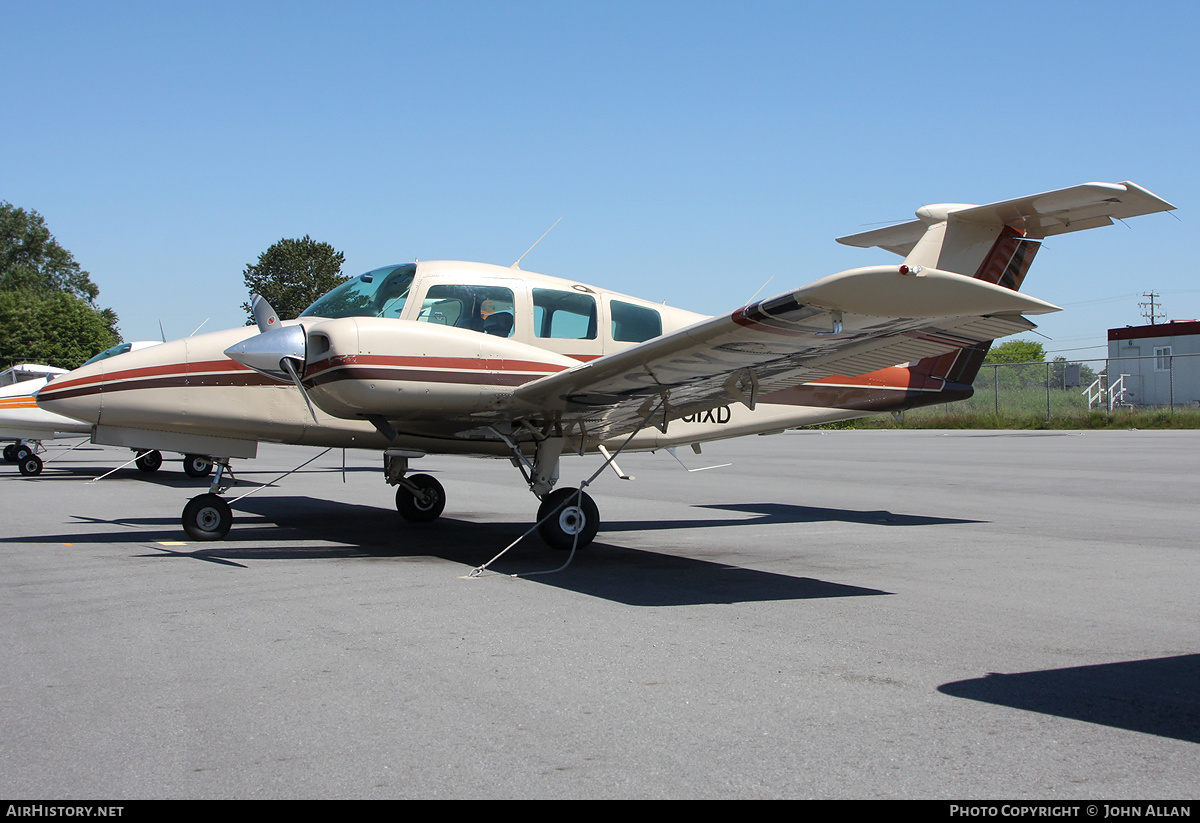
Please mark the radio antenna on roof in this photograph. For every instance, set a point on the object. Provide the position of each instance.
(517, 264)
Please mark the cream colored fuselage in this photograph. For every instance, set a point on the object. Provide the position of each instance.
(188, 396)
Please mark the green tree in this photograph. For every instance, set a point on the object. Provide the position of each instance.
(1028, 352)
(31, 259)
(1016, 351)
(291, 274)
(48, 311)
(57, 329)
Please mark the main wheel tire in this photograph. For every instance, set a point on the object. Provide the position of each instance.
(566, 521)
(207, 517)
(423, 507)
(10, 452)
(21, 451)
(30, 465)
(149, 461)
(196, 465)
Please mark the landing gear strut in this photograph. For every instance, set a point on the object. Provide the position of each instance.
(419, 497)
(567, 518)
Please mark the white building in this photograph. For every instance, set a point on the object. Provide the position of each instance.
(1160, 363)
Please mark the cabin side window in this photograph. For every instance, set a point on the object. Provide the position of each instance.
(487, 309)
(634, 324)
(565, 315)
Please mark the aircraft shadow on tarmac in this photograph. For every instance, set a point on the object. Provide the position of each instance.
(1156, 696)
(778, 513)
(283, 527)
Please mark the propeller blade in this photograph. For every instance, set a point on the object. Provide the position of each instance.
(265, 317)
(290, 365)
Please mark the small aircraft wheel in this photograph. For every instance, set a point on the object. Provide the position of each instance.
(30, 465)
(21, 451)
(423, 507)
(207, 517)
(567, 520)
(149, 461)
(10, 452)
(197, 465)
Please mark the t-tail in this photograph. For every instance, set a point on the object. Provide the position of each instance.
(996, 243)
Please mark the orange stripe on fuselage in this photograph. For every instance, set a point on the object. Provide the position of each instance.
(893, 377)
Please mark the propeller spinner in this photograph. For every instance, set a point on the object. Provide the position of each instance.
(279, 352)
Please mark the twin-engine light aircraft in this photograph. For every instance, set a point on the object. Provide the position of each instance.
(474, 359)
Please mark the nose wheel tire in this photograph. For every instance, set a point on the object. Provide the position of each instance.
(207, 517)
(149, 461)
(569, 518)
(423, 506)
(30, 465)
(196, 465)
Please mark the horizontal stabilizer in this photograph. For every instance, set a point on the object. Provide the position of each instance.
(1080, 207)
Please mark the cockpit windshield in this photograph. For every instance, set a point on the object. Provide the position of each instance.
(120, 348)
(378, 293)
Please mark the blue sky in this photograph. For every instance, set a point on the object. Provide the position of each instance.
(693, 150)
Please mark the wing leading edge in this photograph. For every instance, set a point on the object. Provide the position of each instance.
(845, 324)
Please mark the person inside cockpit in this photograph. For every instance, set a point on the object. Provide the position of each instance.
(496, 321)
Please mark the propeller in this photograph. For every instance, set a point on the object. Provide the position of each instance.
(278, 352)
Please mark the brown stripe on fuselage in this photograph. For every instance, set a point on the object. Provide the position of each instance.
(85, 388)
(467, 377)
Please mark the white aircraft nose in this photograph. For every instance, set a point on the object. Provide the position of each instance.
(266, 352)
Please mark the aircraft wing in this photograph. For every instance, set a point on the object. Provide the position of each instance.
(850, 323)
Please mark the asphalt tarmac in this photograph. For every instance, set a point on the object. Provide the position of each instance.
(879, 614)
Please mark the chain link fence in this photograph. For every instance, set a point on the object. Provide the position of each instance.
(1065, 389)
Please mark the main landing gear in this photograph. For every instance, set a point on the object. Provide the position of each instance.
(567, 518)
(194, 465)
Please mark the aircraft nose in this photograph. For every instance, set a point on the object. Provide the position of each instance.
(267, 353)
(72, 395)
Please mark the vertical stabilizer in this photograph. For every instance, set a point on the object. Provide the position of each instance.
(997, 243)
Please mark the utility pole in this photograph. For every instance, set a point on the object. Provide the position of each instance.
(1150, 308)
